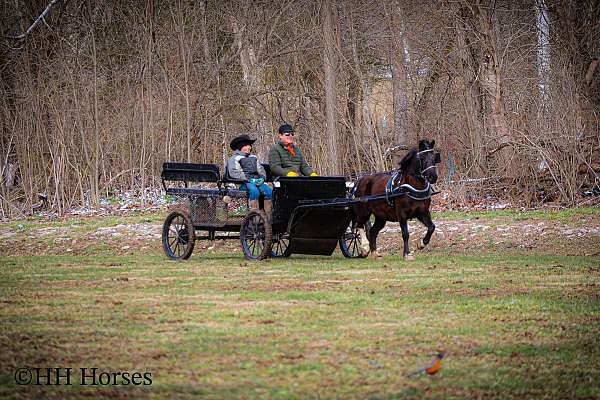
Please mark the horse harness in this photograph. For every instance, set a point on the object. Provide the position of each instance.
(393, 190)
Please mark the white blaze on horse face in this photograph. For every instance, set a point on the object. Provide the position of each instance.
(364, 243)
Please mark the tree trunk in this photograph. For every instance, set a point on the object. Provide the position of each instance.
(473, 108)
(397, 57)
(355, 94)
(253, 76)
(433, 75)
(183, 53)
(491, 83)
(96, 167)
(330, 71)
(543, 52)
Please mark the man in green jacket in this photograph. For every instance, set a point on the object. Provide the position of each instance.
(285, 158)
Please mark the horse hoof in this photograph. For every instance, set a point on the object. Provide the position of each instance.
(409, 257)
(420, 246)
(375, 254)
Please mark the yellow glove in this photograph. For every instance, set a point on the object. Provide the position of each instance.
(313, 174)
(292, 173)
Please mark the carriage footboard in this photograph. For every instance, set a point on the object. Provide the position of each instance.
(316, 230)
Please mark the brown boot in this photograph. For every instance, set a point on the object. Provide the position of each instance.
(268, 207)
(253, 205)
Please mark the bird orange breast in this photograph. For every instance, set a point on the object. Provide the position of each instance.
(437, 365)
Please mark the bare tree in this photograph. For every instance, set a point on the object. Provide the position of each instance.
(95, 97)
(398, 60)
(330, 66)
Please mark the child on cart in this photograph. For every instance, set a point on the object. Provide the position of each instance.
(245, 166)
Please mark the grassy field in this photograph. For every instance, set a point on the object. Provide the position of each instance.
(513, 323)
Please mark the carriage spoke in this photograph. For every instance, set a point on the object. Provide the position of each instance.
(251, 228)
(258, 247)
(176, 249)
(351, 243)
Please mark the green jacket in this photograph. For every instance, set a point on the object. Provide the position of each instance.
(282, 162)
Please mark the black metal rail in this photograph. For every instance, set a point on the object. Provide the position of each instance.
(356, 200)
(207, 192)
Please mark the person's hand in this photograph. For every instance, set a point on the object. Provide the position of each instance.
(292, 173)
(259, 181)
(313, 174)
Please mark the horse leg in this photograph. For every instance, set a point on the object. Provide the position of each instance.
(363, 216)
(405, 235)
(373, 233)
(426, 220)
(364, 242)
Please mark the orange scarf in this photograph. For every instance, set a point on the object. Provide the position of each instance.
(290, 148)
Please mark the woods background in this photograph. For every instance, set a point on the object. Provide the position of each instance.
(100, 93)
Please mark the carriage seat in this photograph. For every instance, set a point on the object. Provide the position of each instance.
(189, 172)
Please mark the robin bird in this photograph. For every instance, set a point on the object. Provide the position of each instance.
(432, 368)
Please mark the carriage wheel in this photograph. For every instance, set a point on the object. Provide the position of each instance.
(280, 245)
(350, 241)
(255, 236)
(178, 236)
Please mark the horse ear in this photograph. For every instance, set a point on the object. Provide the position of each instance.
(407, 159)
(432, 144)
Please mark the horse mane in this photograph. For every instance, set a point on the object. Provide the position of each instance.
(407, 159)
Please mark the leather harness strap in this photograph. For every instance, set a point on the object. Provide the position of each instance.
(392, 190)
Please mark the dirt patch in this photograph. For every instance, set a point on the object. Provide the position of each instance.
(569, 236)
(579, 236)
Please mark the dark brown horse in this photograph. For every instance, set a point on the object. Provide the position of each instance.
(417, 171)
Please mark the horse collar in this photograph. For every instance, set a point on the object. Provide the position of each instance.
(393, 189)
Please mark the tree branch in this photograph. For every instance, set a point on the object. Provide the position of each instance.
(37, 21)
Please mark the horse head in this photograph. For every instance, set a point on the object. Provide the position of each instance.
(422, 162)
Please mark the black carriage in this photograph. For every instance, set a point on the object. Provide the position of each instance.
(309, 214)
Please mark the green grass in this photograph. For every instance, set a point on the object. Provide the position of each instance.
(513, 324)
(308, 326)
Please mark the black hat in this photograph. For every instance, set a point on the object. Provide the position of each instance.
(286, 128)
(240, 141)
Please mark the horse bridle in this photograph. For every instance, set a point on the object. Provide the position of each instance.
(436, 160)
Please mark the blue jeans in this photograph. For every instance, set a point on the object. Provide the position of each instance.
(255, 191)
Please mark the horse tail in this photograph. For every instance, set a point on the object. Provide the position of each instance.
(352, 192)
(364, 184)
